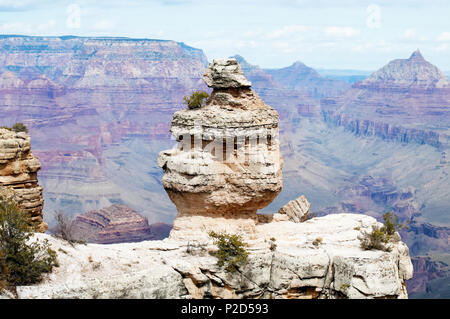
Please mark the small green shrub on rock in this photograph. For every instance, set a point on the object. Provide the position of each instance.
(375, 239)
(196, 99)
(20, 127)
(22, 262)
(232, 253)
(380, 236)
(6, 127)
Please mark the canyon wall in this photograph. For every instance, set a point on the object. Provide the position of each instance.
(18, 176)
(96, 108)
(405, 101)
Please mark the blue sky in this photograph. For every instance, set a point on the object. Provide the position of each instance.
(338, 34)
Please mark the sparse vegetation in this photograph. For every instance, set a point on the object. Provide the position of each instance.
(20, 127)
(6, 127)
(21, 262)
(231, 250)
(317, 241)
(344, 287)
(380, 236)
(391, 224)
(95, 264)
(64, 228)
(272, 246)
(196, 99)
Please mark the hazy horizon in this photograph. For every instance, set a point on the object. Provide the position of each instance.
(325, 34)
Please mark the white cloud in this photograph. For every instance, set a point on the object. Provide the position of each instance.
(45, 26)
(104, 25)
(27, 28)
(444, 36)
(253, 33)
(246, 44)
(341, 32)
(442, 48)
(410, 34)
(15, 28)
(287, 31)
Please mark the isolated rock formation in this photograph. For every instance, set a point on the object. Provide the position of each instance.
(113, 224)
(296, 210)
(319, 258)
(227, 164)
(225, 74)
(18, 175)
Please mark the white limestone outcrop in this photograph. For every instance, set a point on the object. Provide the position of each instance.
(319, 258)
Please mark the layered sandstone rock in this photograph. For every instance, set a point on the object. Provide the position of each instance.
(113, 224)
(227, 164)
(296, 210)
(18, 175)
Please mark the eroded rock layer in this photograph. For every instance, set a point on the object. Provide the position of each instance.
(113, 224)
(18, 175)
(407, 101)
(228, 162)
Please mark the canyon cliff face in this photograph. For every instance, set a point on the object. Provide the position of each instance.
(430, 278)
(18, 175)
(96, 108)
(407, 101)
(302, 78)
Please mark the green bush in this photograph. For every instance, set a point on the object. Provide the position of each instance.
(231, 250)
(391, 223)
(6, 127)
(196, 100)
(21, 262)
(375, 239)
(20, 127)
(380, 236)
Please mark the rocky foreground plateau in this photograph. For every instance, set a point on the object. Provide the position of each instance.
(319, 258)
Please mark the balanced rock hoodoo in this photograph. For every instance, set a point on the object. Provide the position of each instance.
(18, 175)
(227, 164)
